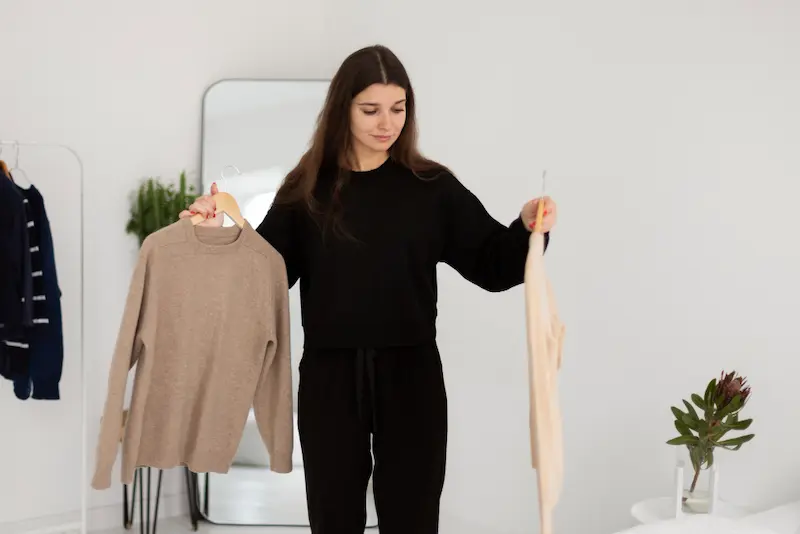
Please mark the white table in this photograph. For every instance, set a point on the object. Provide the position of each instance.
(663, 509)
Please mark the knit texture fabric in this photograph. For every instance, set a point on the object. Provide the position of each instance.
(206, 323)
(545, 346)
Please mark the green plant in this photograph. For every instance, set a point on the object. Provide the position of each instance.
(719, 412)
(156, 205)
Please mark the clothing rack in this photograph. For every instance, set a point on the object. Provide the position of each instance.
(16, 145)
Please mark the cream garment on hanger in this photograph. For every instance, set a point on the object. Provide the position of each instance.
(545, 341)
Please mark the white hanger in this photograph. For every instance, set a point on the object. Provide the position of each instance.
(15, 170)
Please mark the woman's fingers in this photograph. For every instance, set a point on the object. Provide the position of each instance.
(204, 205)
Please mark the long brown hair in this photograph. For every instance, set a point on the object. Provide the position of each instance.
(331, 144)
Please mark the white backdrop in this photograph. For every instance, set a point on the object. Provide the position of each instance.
(43, 438)
(669, 130)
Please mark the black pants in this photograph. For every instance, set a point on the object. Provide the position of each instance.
(393, 399)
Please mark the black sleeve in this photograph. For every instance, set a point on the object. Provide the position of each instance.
(481, 249)
(280, 228)
(12, 255)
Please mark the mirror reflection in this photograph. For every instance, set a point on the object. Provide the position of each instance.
(254, 132)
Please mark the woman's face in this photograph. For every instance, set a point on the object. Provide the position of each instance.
(377, 116)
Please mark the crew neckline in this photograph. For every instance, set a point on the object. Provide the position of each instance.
(196, 233)
(382, 167)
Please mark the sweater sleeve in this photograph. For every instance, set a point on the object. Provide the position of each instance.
(126, 354)
(280, 229)
(481, 249)
(47, 351)
(272, 404)
(12, 260)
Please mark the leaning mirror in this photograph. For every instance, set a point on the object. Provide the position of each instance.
(254, 132)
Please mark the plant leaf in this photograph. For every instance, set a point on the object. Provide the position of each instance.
(677, 413)
(718, 432)
(732, 406)
(694, 424)
(691, 410)
(741, 440)
(696, 455)
(683, 428)
(702, 428)
(698, 400)
(744, 424)
(709, 395)
(683, 440)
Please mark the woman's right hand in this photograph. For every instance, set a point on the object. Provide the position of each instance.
(205, 206)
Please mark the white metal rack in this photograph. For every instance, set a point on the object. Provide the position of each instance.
(80, 526)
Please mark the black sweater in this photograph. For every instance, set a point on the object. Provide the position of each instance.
(381, 290)
(16, 293)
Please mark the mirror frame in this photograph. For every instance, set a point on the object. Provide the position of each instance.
(199, 506)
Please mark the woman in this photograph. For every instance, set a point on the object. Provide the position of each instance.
(362, 222)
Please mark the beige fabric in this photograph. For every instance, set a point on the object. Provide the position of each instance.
(545, 344)
(206, 323)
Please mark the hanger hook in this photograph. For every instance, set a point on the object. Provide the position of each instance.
(544, 182)
(16, 155)
(222, 172)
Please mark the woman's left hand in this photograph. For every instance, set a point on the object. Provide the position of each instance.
(530, 209)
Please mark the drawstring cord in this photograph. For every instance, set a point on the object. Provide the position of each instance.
(365, 377)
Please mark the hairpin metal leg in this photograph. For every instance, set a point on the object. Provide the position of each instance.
(206, 495)
(158, 498)
(148, 521)
(148, 501)
(141, 504)
(191, 493)
(126, 513)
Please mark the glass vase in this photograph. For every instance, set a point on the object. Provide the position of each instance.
(697, 488)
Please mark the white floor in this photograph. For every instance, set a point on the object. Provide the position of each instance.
(257, 496)
(183, 526)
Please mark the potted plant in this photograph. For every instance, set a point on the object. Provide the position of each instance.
(156, 205)
(705, 426)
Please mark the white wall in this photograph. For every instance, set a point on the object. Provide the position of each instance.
(123, 84)
(670, 134)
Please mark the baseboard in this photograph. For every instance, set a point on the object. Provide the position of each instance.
(98, 519)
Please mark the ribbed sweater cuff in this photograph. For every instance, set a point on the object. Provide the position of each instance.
(518, 227)
(46, 390)
(101, 479)
(281, 462)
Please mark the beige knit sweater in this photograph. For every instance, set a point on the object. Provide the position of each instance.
(545, 346)
(206, 324)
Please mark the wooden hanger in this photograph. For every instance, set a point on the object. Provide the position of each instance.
(226, 204)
